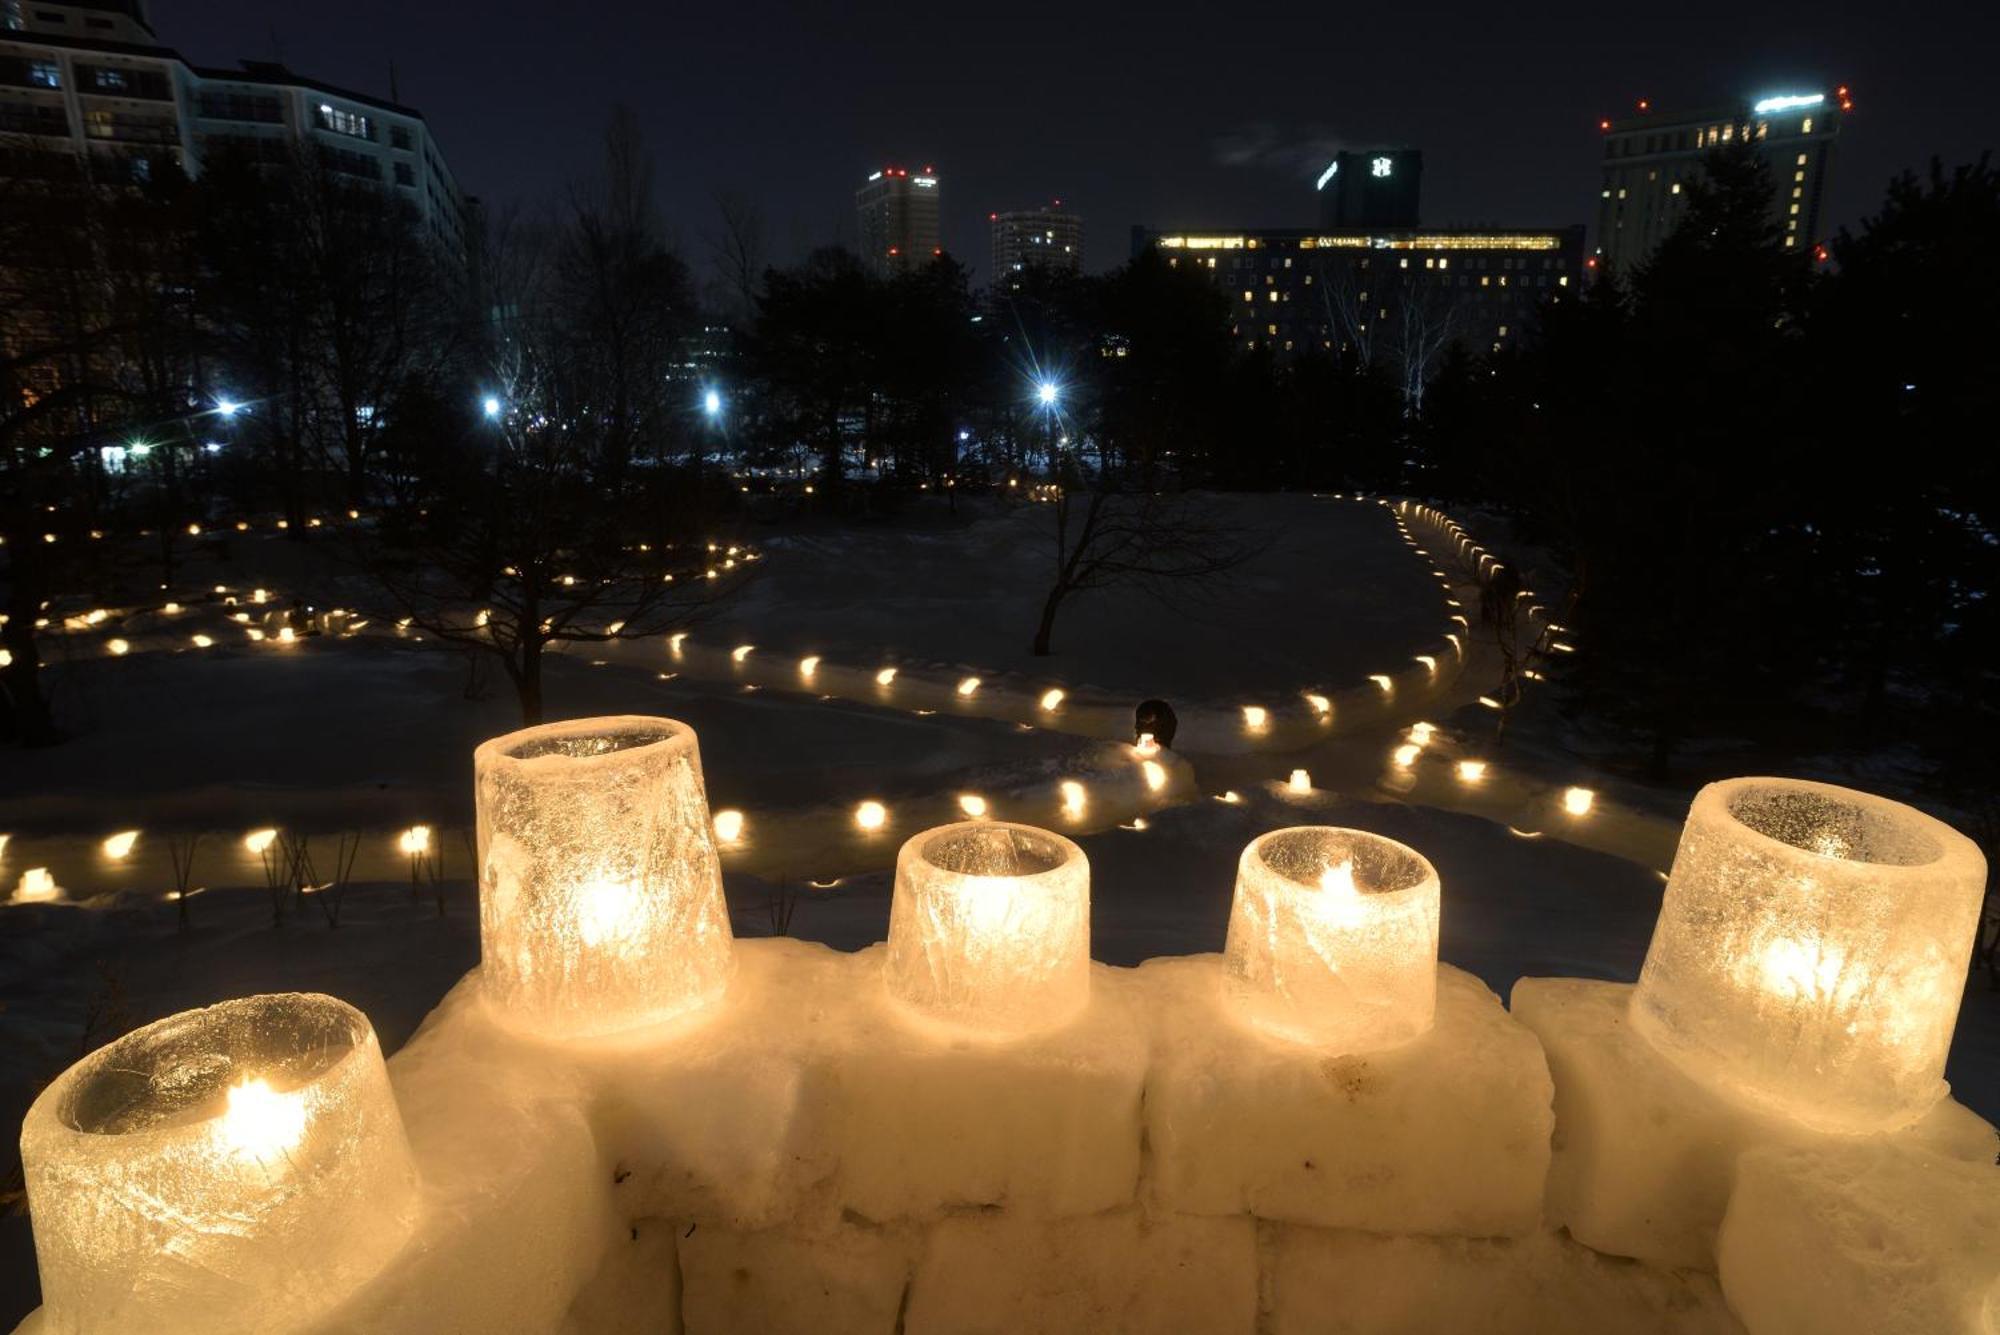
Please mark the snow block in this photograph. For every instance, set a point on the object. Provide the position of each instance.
(1448, 1133)
(637, 1288)
(1092, 1275)
(515, 1206)
(1865, 1238)
(930, 1119)
(1645, 1157)
(724, 1119)
(1326, 1282)
(849, 1280)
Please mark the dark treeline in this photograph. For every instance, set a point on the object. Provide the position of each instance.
(1770, 481)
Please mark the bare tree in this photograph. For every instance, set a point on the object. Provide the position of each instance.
(1141, 538)
(739, 252)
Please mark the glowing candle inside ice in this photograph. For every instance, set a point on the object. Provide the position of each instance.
(1811, 950)
(1578, 801)
(885, 676)
(119, 846)
(1333, 938)
(600, 892)
(1051, 699)
(989, 928)
(228, 1170)
(1300, 782)
(1255, 717)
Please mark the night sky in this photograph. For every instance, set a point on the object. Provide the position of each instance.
(1168, 114)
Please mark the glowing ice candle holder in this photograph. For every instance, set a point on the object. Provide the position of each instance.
(1333, 938)
(989, 928)
(600, 892)
(238, 1168)
(1811, 950)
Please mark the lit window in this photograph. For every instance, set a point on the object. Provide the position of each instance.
(1274, 295)
(1798, 176)
(1271, 329)
(1797, 191)
(1802, 159)
(1805, 126)
(1677, 187)
(1503, 331)
(350, 123)
(1621, 192)
(1249, 296)
(44, 74)
(1791, 240)
(1795, 208)
(1563, 281)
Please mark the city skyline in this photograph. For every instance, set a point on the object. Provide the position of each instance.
(1505, 111)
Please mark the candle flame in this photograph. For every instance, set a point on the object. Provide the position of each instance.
(972, 804)
(729, 825)
(1472, 771)
(1052, 698)
(741, 652)
(1578, 801)
(604, 911)
(1339, 898)
(1146, 746)
(968, 686)
(1321, 705)
(1255, 716)
(885, 676)
(260, 1123)
(808, 666)
(414, 840)
(871, 815)
(1300, 782)
(120, 845)
(259, 840)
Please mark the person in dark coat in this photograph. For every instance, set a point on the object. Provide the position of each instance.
(1155, 717)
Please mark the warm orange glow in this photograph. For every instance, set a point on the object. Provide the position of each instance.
(119, 846)
(1578, 801)
(968, 686)
(1156, 774)
(1255, 717)
(871, 815)
(1073, 798)
(972, 804)
(1300, 782)
(1052, 698)
(728, 825)
(261, 1123)
(885, 676)
(259, 840)
(1472, 771)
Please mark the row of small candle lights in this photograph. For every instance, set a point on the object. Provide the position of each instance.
(1809, 954)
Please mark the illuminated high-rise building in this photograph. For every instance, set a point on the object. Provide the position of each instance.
(1026, 239)
(1650, 158)
(899, 219)
(87, 85)
(1375, 187)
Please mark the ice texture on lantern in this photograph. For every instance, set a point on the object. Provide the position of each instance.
(989, 928)
(218, 1168)
(1333, 938)
(600, 893)
(1811, 950)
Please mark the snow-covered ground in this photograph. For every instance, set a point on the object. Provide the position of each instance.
(369, 735)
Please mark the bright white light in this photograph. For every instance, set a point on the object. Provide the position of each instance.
(1787, 101)
(259, 840)
(119, 647)
(871, 815)
(885, 676)
(1047, 393)
(741, 652)
(1331, 169)
(1421, 733)
(1383, 682)
(1052, 698)
(711, 403)
(1321, 705)
(674, 642)
(1472, 771)
(1146, 746)
(1300, 782)
(1381, 166)
(1406, 755)
(972, 804)
(808, 666)
(1578, 801)
(968, 686)
(260, 1123)
(1156, 774)
(1255, 717)
(729, 825)
(228, 407)
(415, 840)
(119, 845)
(492, 407)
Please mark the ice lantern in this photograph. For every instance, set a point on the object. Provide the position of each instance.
(600, 894)
(1333, 939)
(237, 1168)
(989, 928)
(1811, 950)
